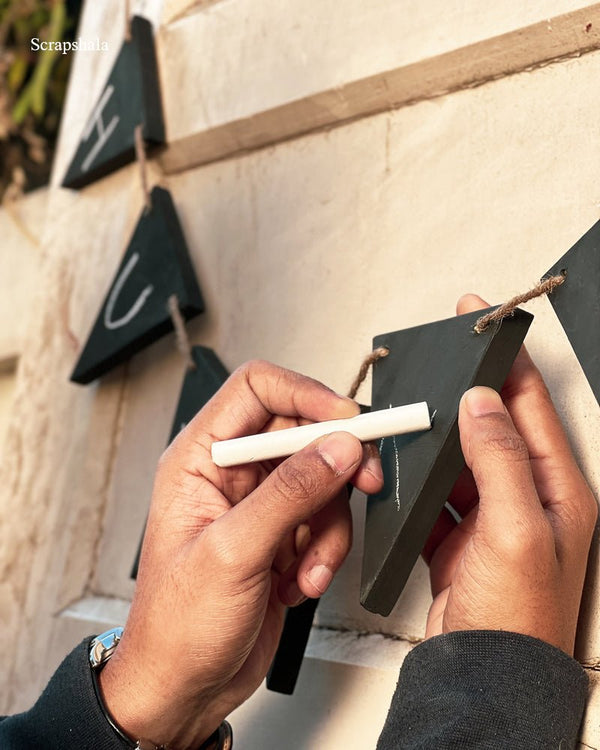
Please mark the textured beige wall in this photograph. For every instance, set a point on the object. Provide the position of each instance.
(304, 251)
(7, 388)
(20, 256)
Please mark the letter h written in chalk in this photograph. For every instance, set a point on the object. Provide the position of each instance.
(103, 130)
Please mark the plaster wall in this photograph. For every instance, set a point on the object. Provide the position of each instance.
(304, 250)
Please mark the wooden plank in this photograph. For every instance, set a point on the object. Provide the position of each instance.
(569, 35)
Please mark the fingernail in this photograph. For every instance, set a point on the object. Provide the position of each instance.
(291, 595)
(339, 452)
(373, 466)
(320, 576)
(481, 401)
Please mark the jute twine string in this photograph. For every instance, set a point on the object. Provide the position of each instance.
(368, 361)
(183, 341)
(546, 286)
(140, 155)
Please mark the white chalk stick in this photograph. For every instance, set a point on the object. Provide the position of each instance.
(370, 426)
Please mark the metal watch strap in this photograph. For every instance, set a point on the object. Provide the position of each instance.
(102, 648)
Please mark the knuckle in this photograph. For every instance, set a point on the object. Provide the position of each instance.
(253, 366)
(527, 541)
(295, 482)
(505, 446)
(585, 513)
(220, 550)
(247, 369)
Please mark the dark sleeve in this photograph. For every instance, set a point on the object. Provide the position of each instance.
(66, 715)
(486, 689)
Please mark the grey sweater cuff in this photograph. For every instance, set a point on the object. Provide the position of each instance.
(66, 715)
(486, 689)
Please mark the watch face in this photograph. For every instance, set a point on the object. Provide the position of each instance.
(103, 646)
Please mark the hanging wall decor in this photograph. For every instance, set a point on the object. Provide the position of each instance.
(436, 363)
(285, 667)
(131, 97)
(134, 313)
(577, 302)
(200, 383)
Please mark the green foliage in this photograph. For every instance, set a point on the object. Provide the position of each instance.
(32, 88)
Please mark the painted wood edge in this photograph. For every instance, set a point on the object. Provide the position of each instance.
(99, 609)
(566, 36)
(185, 8)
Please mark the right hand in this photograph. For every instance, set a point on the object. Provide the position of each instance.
(221, 556)
(517, 560)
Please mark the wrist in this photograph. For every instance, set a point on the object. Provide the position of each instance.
(153, 716)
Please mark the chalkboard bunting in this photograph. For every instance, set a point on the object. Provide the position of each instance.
(131, 97)
(285, 667)
(577, 302)
(134, 313)
(436, 363)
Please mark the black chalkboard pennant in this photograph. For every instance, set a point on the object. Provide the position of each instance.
(131, 97)
(199, 385)
(576, 302)
(285, 667)
(134, 314)
(436, 363)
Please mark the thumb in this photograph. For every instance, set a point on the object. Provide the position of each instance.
(297, 489)
(498, 457)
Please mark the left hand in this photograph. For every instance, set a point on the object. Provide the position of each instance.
(517, 559)
(223, 555)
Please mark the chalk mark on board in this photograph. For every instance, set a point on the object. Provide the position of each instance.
(104, 132)
(397, 465)
(111, 324)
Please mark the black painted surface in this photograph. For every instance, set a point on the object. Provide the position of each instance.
(163, 266)
(130, 97)
(286, 664)
(199, 386)
(436, 363)
(577, 302)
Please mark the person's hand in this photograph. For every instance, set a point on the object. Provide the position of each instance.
(225, 550)
(518, 558)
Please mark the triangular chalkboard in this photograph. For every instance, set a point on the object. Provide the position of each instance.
(576, 302)
(285, 667)
(130, 97)
(199, 385)
(134, 312)
(436, 363)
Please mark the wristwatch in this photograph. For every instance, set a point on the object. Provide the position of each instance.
(102, 647)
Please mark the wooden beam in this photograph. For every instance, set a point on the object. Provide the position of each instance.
(566, 36)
